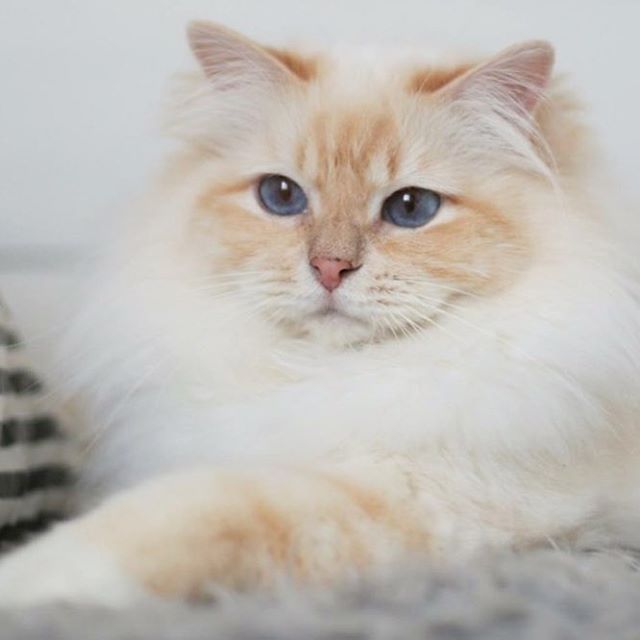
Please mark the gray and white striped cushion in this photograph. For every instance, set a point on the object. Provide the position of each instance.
(35, 453)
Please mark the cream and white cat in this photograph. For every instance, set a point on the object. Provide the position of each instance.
(375, 306)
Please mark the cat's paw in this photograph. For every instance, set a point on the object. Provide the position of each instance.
(62, 567)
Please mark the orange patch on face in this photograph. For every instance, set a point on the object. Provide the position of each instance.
(480, 250)
(345, 146)
(245, 237)
(227, 188)
(345, 143)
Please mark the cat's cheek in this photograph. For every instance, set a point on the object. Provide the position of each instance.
(63, 567)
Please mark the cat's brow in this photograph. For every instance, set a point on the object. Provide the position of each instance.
(358, 143)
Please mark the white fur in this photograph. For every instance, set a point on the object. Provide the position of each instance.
(546, 369)
(63, 568)
(526, 400)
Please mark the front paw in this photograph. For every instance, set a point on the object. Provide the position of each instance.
(62, 567)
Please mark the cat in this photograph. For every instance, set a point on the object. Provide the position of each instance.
(375, 307)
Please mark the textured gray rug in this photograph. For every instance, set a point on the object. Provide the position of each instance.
(544, 595)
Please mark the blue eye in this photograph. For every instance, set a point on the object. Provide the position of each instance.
(411, 207)
(281, 195)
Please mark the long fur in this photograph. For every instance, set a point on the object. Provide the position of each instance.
(482, 383)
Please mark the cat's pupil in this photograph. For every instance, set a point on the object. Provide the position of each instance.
(285, 191)
(409, 202)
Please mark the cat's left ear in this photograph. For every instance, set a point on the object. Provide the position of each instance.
(513, 82)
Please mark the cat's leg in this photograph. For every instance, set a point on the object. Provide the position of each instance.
(65, 566)
(177, 536)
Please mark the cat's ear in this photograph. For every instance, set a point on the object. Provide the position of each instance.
(242, 81)
(231, 61)
(513, 82)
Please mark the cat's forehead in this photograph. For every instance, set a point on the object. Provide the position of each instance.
(358, 142)
(346, 66)
(359, 114)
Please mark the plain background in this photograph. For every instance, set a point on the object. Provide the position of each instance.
(81, 81)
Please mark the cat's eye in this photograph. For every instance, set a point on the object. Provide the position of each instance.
(281, 195)
(411, 207)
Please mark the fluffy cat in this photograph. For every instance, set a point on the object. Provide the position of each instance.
(375, 306)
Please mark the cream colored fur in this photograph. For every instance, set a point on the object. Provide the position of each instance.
(490, 399)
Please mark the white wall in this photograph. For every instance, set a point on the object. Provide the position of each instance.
(80, 81)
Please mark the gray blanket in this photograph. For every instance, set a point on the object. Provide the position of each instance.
(544, 595)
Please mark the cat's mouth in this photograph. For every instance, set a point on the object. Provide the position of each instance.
(332, 322)
(331, 307)
(354, 322)
(339, 320)
(332, 313)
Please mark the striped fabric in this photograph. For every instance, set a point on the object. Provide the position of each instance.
(35, 455)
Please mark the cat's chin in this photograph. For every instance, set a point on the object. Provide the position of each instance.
(334, 328)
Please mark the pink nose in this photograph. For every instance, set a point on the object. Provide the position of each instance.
(331, 271)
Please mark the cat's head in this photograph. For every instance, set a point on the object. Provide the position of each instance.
(353, 199)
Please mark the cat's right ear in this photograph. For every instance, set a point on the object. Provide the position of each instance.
(241, 81)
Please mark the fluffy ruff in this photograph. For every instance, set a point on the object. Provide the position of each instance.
(544, 594)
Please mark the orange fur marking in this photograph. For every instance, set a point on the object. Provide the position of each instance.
(304, 67)
(432, 79)
(392, 517)
(481, 249)
(240, 533)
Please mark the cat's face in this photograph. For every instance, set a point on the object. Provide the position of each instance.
(352, 209)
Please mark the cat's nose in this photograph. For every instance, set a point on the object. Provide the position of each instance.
(331, 271)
